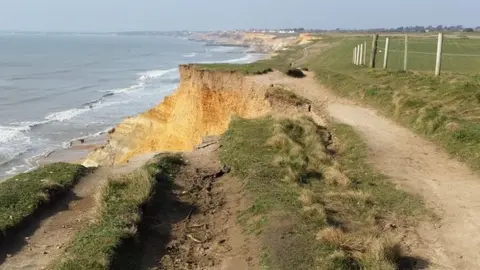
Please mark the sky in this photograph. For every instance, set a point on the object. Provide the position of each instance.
(129, 15)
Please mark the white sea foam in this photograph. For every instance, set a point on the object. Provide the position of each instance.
(225, 49)
(15, 170)
(189, 55)
(249, 58)
(9, 134)
(13, 142)
(66, 115)
(153, 74)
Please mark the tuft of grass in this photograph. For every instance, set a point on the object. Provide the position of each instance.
(443, 109)
(24, 194)
(285, 96)
(312, 209)
(119, 211)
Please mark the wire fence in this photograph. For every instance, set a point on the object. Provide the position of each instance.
(456, 54)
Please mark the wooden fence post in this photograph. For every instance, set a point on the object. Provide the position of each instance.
(355, 55)
(405, 57)
(364, 53)
(385, 59)
(361, 54)
(358, 55)
(438, 65)
(373, 55)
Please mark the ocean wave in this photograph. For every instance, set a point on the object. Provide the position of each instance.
(225, 49)
(153, 74)
(189, 55)
(98, 100)
(246, 59)
(13, 142)
(12, 133)
(15, 170)
(66, 115)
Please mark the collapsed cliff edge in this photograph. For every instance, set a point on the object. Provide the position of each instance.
(203, 105)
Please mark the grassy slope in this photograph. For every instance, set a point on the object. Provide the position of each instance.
(119, 208)
(23, 194)
(446, 109)
(313, 210)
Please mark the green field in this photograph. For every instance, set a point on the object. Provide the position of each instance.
(459, 54)
(444, 109)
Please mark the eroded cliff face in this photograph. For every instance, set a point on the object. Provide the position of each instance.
(203, 105)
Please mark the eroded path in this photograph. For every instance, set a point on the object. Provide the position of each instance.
(194, 224)
(46, 238)
(449, 187)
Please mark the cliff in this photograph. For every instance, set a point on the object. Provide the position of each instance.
(203, 105)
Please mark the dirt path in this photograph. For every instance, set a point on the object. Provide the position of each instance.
(447, 186)
(45, 239)
(194, 225)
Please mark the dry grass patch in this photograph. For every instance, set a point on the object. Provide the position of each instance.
(284, 96)
(302, 191)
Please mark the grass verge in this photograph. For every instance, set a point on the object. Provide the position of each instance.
(119, 207)
(281, 61)
(24, 194)
(444, 109)
(314, 208)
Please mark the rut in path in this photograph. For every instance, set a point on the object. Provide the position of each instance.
(449, 187)
(193, 225)
(45, 239)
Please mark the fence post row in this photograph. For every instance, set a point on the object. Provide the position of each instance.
(385, 59)
(438, 65)
(360, 53)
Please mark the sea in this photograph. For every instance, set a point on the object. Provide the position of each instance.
(57, 88)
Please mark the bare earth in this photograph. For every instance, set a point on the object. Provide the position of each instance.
(194, 225)
(449, 187)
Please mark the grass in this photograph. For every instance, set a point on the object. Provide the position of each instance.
(119, 211)
(281, 62)
(313, 209)
(444, 109)
(24, 194)
(459, 54)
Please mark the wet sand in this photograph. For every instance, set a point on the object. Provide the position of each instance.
(77, 152)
